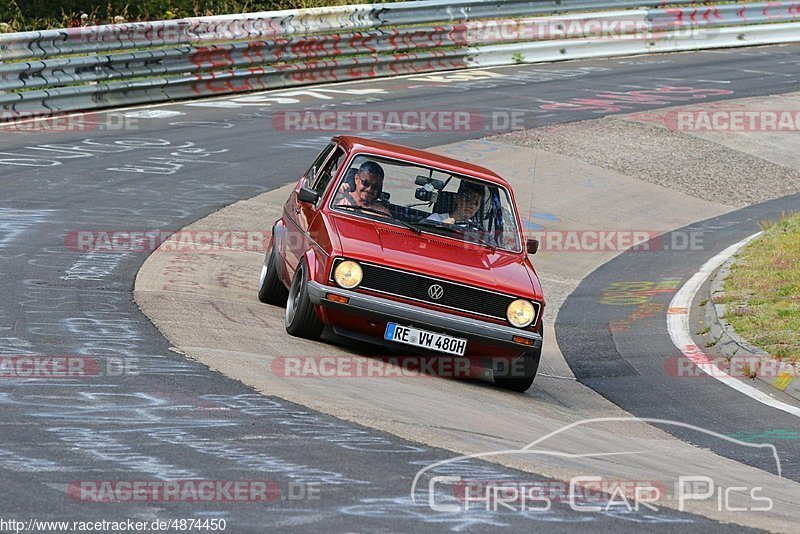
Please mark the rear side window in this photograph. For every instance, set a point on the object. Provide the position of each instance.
(308, 178)
(328, 171)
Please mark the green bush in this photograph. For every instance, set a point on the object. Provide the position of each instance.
(9, 11)
(24, 15)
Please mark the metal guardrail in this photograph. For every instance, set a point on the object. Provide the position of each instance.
(266, 25)
(94, 67)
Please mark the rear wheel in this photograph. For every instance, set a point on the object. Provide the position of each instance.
(301, 320)
(270, 288)
(518, 375)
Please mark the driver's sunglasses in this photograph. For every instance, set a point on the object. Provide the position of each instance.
(366, 183)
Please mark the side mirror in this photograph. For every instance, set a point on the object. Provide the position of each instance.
(307, 195)
(533, 246)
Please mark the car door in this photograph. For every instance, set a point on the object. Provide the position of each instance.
(302, 213)
(309, 216)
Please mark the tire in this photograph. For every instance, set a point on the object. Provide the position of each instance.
(301, 320)
(270, 288)
(509, 376)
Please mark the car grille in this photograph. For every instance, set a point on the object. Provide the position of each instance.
(456, 296)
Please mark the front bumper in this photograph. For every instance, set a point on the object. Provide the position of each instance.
(381, 309)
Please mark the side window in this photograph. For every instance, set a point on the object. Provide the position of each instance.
(329, 171)
(307, 178)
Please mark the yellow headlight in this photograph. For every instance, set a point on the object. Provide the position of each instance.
(348, 274)
(521, 313)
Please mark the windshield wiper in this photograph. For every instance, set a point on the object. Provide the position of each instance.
(456, 230)
(382, 213)
(362, 208)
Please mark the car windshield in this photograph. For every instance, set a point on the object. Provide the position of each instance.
(429, 200)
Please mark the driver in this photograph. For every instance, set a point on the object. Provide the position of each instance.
(468, 200)
(367, 189)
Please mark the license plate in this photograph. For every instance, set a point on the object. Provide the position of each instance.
(425, 339)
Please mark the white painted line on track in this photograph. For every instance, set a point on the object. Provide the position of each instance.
(90, 112)
(765, 72)
(679, 331)
(556, 376)
(398, 125)
(712, 81)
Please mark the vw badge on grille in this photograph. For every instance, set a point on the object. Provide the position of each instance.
(436, 292)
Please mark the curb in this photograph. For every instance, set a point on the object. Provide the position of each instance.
(745, 356)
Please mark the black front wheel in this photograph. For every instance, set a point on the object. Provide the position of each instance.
(518, 374)
(301, 320)
(270, 288)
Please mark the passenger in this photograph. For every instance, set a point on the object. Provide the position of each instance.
(468, 200)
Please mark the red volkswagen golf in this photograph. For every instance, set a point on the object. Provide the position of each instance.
(410, 250)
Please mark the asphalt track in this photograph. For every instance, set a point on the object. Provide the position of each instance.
(168, 418)
(636, 367)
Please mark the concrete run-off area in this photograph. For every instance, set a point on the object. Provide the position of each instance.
(734, 152)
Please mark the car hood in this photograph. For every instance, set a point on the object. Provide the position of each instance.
(397, 247)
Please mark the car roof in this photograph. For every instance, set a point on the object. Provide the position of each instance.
(415, 155)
